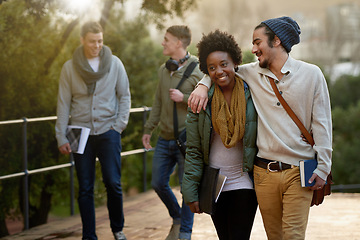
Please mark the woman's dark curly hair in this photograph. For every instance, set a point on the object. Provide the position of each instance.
(218, 41)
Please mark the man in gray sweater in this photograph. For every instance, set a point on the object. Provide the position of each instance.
(94, 91)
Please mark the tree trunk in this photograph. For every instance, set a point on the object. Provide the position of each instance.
(58, 48)
(38, 213)
(106, 12)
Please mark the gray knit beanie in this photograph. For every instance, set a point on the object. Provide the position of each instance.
(287, 30)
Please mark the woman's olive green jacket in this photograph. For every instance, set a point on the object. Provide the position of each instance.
(198, 133)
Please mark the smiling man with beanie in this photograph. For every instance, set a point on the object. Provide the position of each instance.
(286, 29)
(283, 203)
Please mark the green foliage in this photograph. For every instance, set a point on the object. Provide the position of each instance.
(192, 49)
(130, 41)
(26, 92)
(345, 100)
(345, 91)
(157, 10)
(346, 165)
(24, 86)
(248, 57)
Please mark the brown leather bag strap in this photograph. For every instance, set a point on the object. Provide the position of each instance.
(318, 195)
(291, 113)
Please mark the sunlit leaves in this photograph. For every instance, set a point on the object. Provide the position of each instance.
(158, 9)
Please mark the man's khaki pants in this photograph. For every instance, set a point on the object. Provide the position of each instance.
(283, 203)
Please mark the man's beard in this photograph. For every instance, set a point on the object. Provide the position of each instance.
(264, 64)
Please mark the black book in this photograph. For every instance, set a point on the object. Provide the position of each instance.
(210, 188)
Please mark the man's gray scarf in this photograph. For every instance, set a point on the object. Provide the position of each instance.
(83, 67)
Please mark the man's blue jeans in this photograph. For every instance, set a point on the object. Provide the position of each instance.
(165, 158)
(107, 148)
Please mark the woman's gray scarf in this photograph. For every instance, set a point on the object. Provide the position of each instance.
(82, 66)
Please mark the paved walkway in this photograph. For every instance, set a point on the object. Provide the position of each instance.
(147, 218)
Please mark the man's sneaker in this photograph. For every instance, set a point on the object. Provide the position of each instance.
(174, 232)
(119, 235)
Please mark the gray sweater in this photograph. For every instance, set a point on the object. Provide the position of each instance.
(107, 108)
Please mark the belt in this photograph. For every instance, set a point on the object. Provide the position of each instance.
(272, 166)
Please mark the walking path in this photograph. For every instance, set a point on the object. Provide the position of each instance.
(147, 218)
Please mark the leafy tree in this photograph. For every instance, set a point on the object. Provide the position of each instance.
(345, 100)
(26, 92)
(345, 91)
(130, 41)
(346, 166)
(157, 10)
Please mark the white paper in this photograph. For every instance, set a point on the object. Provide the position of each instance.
(83, 138)
(220, 185)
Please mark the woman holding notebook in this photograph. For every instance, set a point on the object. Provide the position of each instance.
(223, 136)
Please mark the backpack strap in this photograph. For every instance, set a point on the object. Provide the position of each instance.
(186, 74)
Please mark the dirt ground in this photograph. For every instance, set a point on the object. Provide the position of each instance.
(147, 218)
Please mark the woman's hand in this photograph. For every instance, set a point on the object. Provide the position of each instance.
(194, 207)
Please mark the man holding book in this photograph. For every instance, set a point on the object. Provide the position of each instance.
(94, 91)
(283, 203)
